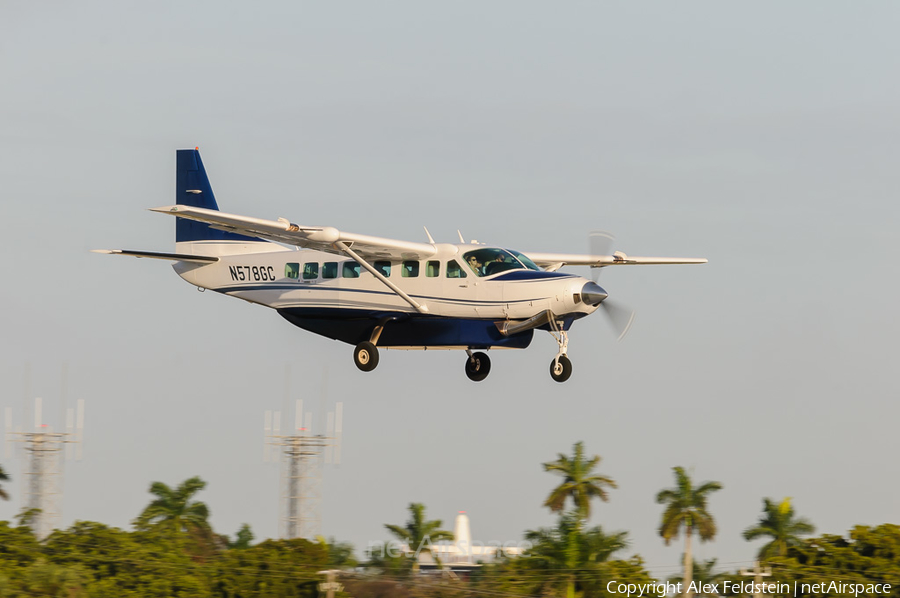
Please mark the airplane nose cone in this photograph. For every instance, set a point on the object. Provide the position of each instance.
(593, 294)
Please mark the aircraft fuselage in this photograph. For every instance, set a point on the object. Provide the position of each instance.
(335, 297)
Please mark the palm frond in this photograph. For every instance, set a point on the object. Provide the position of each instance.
(803, 527)
(754, 532)
(401, 532)
(189, 488)
(666, 496)
(161, 490)
(705, 526)
(708, 487)
(557, 499)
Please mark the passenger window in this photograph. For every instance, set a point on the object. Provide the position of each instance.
(409, 269)
(350, 270)
(292, 270)
(329, 270)
(454, 271)
(432, 269)
(384, 268)
(310, 271)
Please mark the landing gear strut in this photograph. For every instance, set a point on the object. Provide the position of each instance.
(365, 356)
(560, 367)
(478, 366)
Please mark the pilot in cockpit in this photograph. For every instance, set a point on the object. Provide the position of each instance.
(475, 265)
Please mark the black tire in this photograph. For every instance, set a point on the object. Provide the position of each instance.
(478, 366)
(561, 369)
(365, 356)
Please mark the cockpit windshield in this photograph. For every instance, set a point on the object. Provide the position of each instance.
(493, 260)
(526, 261)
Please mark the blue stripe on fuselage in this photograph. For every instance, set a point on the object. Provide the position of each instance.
(531, 275)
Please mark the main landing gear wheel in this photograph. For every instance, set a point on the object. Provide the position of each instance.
(478, 366)
(365, 356)
(561, 368)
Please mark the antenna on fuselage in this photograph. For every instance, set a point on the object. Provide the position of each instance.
(461, 240)
(428, 234)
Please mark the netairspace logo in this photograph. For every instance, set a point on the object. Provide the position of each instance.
(635, 590)
(837, 587)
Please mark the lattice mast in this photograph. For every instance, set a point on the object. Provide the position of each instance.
(43, 466)
(302, 453)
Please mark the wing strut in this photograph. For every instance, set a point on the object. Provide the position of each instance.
(422, 309)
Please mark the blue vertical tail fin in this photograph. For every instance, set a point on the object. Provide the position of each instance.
(192, 188)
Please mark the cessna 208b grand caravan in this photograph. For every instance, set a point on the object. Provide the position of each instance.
(373, 292)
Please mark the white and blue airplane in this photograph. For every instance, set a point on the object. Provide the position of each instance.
(374, 292)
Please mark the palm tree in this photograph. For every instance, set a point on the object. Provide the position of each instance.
(581, 485)
(597, 546)
(779, 524)
(420, 534)
(686, 507)
(175, 507)
(552, 552)
(3, 478)
(578, 483)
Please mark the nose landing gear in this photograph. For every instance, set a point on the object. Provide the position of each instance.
(560, 367)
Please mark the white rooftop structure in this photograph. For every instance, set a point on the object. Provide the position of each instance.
(464, 550)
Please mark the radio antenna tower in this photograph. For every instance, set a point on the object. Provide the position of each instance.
(43, 468)
(301, 453)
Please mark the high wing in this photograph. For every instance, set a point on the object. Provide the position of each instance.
(557, 260)
(321, 238)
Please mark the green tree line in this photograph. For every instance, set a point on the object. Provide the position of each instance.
(173, 551)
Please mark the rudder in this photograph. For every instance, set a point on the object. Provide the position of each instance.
(192, 188)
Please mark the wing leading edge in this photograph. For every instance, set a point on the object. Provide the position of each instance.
(600, 261)
(321, 238)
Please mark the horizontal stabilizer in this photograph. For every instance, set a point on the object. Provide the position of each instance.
(174, 257)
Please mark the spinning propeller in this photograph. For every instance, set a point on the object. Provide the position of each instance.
(620, 317)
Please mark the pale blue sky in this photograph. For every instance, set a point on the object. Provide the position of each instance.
(763, 136)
